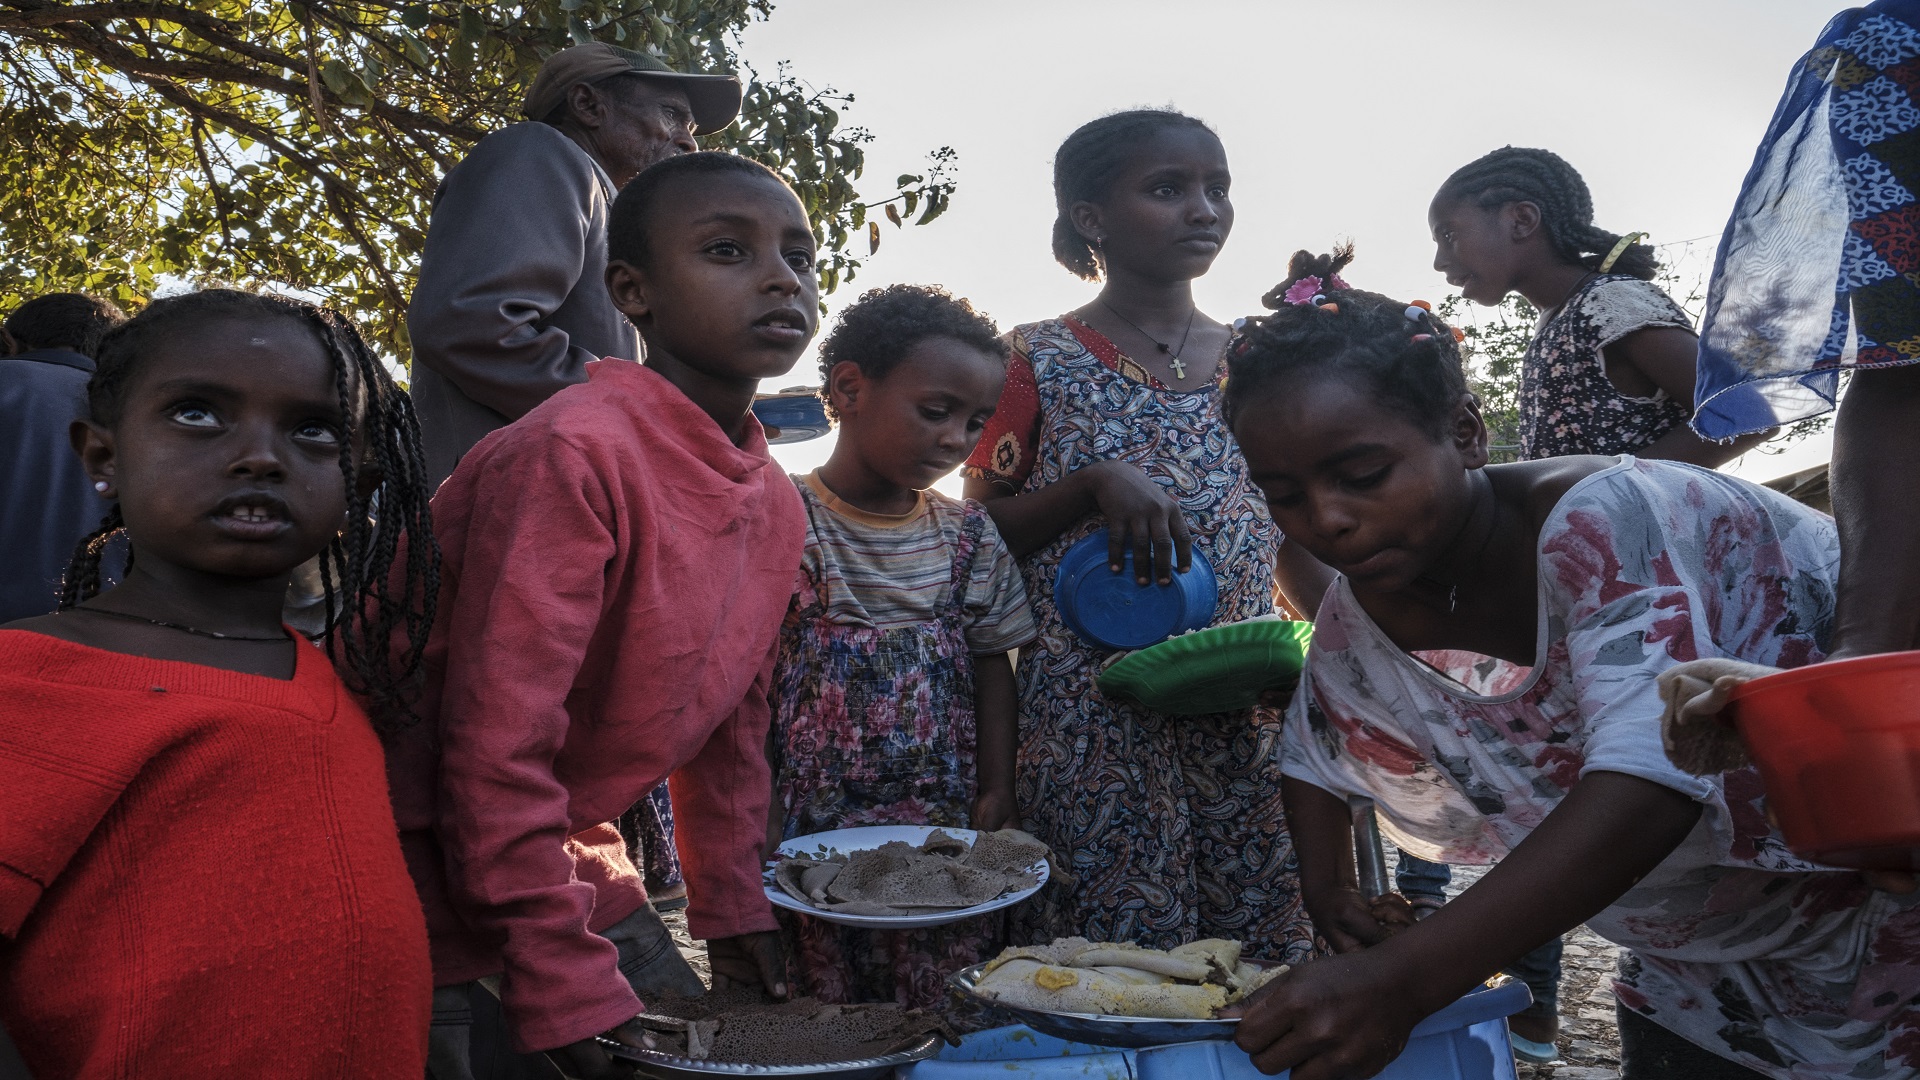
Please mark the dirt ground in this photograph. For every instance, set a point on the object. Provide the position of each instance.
(1589, 1040)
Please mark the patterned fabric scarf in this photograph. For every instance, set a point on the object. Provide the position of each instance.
(1819, 268)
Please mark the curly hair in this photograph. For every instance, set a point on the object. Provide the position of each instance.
(1543, 178)
(878, 330)
(1086, 166)
(365, 606)
(1408, 360)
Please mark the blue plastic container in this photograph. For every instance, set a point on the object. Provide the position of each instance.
(1113, 611)
(1467, 1040)
(793, 417)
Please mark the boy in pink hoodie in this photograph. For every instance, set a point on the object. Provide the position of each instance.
(616, 567)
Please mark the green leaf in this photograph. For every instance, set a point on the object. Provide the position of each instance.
(936, 205)
(579, 31)
(472, 27)
(338, 76)
(414, 16)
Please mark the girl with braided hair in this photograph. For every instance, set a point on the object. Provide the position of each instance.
(1167, 828)
(1610, 369)
(199, 869)
(1485, 671)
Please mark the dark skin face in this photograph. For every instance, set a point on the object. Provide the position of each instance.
(226, 463)
(729, 294)
(908, 428)
(1407, 513)
(628, 123)
(1160, 225)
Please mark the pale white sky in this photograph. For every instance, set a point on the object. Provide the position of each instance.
(1340, 119)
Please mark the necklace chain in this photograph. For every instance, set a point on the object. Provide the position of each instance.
(1173, 354)
(182, 627)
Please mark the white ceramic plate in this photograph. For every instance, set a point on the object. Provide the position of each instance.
(848, 841)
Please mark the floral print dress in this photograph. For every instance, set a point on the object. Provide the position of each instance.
(1166, 828)
(1734, 943)
(1567, 404)
(873, 714)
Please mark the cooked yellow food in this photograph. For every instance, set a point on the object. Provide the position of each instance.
(1192, 982)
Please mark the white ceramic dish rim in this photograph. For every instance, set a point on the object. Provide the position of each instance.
(867, 837)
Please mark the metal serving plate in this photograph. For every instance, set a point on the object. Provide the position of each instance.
(867, 837)
(1130, 1032)
(656, 1064)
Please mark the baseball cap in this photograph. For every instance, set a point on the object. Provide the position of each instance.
(715, 98)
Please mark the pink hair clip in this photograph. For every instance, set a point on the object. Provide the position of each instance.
(1304, 291)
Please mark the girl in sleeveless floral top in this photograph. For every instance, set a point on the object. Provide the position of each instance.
(893, 698)
(1486, 671)
(1166, 829)
(1611, 366)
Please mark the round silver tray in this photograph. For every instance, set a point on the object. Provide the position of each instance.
(655, 1063)
(1130, 1032)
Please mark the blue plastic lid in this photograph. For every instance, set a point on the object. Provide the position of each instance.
(1113, 611)
(792, 417)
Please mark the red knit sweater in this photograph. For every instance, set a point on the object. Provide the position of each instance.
(615, 573)
(199, 874)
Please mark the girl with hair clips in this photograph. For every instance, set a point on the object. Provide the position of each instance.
(1610, 369)
(1167, 828)
(199, 869)
(1485, 670)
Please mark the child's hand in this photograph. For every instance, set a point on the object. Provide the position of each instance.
(1350, 922)
(1138, 509)
(1692, 727)
(748, 959)
(994, 810)
(588, 1060)
(1339, 1017)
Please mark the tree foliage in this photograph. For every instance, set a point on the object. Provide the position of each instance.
(299, 144)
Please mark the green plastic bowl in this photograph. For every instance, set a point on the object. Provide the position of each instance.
(1220, 669)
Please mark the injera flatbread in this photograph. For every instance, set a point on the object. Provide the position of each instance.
(746, 1029)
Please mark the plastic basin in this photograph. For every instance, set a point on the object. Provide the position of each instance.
(1467, 1040)
(1838, 746)
(1113, 611)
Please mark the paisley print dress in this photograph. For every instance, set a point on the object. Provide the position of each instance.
(1167, 828)
(1733, 942)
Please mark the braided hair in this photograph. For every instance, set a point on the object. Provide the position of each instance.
(1409, 362)
(878, 331)
(367, 603)
(1543, 178)
(1086, 166)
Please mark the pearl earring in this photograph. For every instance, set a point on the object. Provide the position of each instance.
(100, 486)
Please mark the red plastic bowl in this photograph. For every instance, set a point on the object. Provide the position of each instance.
(1838, 747)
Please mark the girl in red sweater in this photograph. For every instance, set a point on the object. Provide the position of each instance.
(199, 871)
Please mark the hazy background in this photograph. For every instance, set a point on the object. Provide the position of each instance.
(1340, 120)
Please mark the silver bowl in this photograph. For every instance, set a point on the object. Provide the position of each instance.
(1130, 1032)
(654, 1063)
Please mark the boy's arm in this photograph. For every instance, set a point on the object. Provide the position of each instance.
(996, 711)
(518, 631)
(721, 801)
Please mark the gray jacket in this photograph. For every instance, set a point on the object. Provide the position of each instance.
(512, 301)
(47, 503)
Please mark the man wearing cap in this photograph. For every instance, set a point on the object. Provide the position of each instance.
(512, 302)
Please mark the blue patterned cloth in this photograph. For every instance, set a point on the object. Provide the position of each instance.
(1819, 268)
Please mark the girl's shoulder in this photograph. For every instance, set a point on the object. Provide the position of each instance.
(1616, 305)
(1047, 341)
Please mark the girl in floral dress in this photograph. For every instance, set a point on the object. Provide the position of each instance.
(1485, 670)
(1165, 829)
(1610, 369)
(893, 698)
